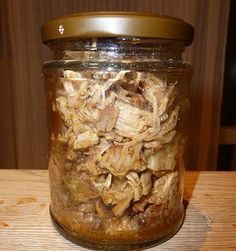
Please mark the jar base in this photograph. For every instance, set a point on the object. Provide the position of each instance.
(93, 245)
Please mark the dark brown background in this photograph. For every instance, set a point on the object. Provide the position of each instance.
(23, 140)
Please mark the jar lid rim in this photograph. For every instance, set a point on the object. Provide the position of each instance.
(117, 24)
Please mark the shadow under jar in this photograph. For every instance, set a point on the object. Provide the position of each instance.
(117, 95)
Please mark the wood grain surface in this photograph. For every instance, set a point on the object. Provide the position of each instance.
(7, 138)
(25, 224)
(24, 133)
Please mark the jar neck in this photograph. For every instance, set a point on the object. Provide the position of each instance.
(122, 48)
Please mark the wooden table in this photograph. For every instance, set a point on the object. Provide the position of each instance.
(25, 224)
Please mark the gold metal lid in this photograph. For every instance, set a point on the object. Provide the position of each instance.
(117, 24)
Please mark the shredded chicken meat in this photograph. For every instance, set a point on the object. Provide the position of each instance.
(123, 147)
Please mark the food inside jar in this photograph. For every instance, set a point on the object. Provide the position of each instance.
(116, 159)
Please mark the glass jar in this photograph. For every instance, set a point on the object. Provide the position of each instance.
(117, 106)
